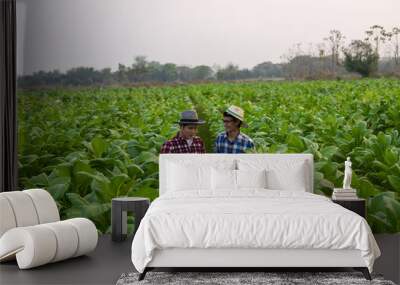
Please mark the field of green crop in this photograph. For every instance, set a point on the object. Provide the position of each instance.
(86, 146)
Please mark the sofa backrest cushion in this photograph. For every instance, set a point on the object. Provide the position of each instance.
(26, 208)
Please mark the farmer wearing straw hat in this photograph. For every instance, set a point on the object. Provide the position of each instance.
(232, 140)
(186, 141)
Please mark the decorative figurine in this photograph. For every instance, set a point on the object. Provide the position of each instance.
(347, 174)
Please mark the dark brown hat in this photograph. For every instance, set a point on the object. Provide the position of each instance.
(190, 117)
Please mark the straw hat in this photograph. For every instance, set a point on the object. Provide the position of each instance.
(237, 113)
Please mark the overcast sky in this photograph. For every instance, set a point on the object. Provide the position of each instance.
(60, 34)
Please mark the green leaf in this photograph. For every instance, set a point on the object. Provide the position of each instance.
(28, 159)
(58, 190)
(100, 184)
(102, 163)
(59, 180)
(63, 170)
(92, 211)
(380, 165)
(133, 148)
(135, 170)
(144, 191)
(391, 156)
(380, 222)
(395, 182)
(81, 165)
(294, 142)
(365, 188)
(328, 151)
(76, 200)
(384, 207)
(99, 146)
(117, 181)
(384, 140)
(359, 131)
(82, 179)
(147, 157)
(149, 182)
(92, 197)
(40, 180)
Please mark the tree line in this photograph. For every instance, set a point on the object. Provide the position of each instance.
(377, 54)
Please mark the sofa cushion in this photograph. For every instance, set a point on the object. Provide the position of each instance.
(46, 207)
(7, 220)
(23, 208)
(40, 244)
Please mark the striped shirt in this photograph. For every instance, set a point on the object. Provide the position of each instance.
(239, 145)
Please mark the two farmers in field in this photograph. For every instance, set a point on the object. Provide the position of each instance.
(232, 140)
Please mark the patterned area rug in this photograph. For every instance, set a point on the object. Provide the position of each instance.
(229, 278)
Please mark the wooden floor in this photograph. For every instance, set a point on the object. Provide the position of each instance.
(103, 266)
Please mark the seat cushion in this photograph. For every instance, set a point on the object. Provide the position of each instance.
(40, 244)
(87, 235)
(32, 246)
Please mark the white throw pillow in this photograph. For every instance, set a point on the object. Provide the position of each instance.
(223, 179)
(289, 175)
(293, 180)
(184, 177)
(251, 178)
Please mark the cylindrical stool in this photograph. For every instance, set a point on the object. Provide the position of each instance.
(119, 208)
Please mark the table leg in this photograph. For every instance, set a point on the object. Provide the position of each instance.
(116, 222)
(124, 222)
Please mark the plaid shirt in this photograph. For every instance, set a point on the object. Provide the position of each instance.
(179, 145)
(239, 145)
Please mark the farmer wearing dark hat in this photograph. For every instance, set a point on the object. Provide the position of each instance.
(232, 140)
(186, 141)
